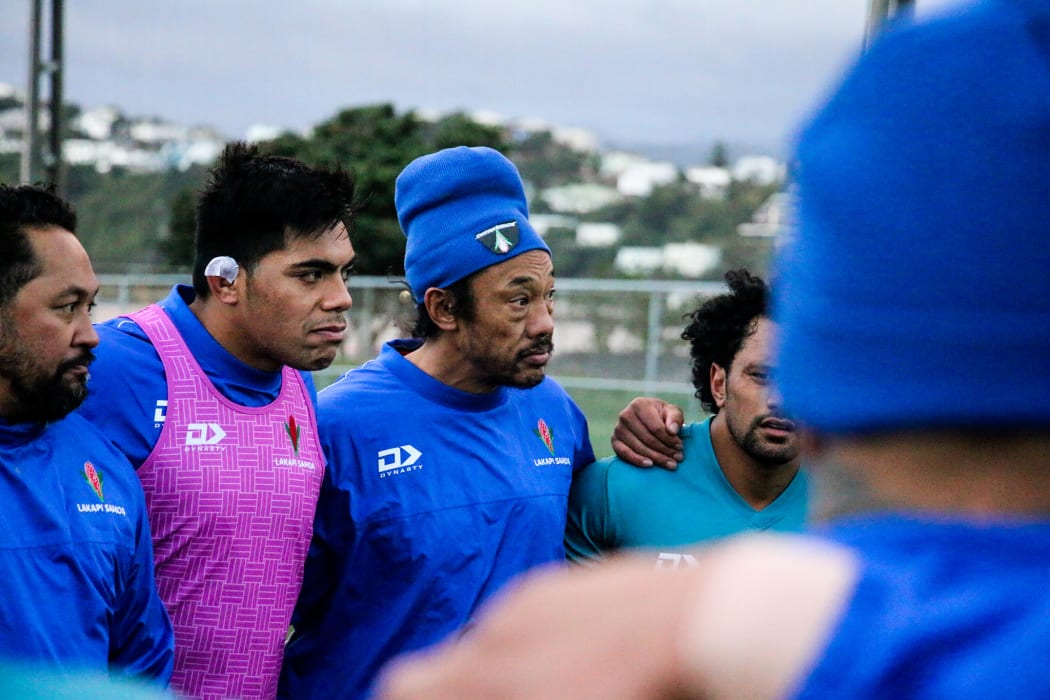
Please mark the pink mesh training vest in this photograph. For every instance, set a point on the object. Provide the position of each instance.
(231, 492)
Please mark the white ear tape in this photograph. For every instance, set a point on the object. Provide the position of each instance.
(222, 266)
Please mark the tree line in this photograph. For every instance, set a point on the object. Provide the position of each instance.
(145, 222)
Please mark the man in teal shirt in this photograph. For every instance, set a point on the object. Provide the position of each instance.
(741, 466)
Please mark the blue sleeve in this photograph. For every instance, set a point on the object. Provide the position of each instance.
(311, 387)
(584, 452)
(587, 523)
(127, 392)
(142, 643)
(333, 527)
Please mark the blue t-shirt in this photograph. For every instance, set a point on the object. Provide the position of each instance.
(433, 499)
(614, 505)
(942, 609)
(128, 390)
(76, 555)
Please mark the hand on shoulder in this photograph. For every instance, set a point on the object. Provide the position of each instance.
(646, 433)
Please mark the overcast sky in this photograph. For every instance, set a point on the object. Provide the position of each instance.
(661, 71)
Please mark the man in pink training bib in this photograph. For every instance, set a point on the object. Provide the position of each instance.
(208, 393)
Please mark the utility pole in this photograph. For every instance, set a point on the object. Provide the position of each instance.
(880, 12)
(42, 158)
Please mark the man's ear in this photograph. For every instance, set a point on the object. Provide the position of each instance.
(440, 304)
(718, 384)
(223, 291)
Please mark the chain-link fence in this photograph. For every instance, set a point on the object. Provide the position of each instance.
(611, 334)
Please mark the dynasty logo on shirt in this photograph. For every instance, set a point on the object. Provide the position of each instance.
(204, 434)
(675, 560)
(160, 412)
(398, 460)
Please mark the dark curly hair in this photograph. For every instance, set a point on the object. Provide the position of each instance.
(719, 327)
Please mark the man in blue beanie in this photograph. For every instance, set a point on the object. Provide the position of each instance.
(450, 455)
(914, 305)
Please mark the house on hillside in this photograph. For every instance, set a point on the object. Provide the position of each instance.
(96, 124)
(579, 198)
(639, 180)
(771, 218)
(712, 182)
(688, 259)
(579, 140)
(103, 156)
(613, 163)
(761, 170)
(543, 223)
(594, 234)
(639, 260)
(691, 259)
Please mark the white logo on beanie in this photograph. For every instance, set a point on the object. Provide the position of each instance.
(500, 239)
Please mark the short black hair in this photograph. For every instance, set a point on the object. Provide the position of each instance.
(253, 204)
(21, 208)
(719, 327)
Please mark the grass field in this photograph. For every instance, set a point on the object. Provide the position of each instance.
(601, 408)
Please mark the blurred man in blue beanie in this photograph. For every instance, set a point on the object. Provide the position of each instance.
(450, 455)
(914, 303)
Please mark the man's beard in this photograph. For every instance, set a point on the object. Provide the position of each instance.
(42, 399)
(511, 377)
(768, 454)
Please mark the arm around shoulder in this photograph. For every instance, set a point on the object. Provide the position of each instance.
(646, 433)
(142, 640)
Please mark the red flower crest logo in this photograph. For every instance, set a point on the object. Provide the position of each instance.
(94, 479)
(293, 432)
(545, 434)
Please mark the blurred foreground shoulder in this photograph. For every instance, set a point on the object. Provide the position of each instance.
(603, 632)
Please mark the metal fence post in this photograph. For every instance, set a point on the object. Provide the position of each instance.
(653, 341)
(364, 330)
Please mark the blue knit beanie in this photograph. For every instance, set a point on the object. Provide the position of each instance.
(462, 209)
(916, 291)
